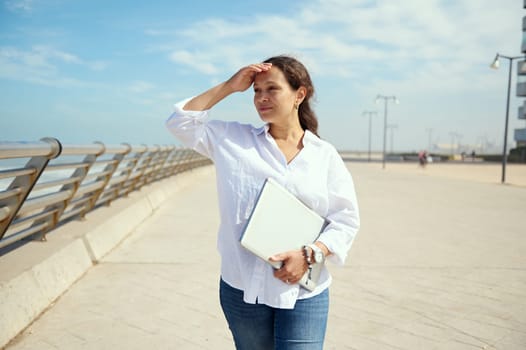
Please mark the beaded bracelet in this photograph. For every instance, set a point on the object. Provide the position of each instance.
(307, 255)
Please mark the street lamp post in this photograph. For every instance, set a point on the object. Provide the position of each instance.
(495, 65)
(392, 127)
(455, 142)
(370, 114)
(386, 99)
(429, 138)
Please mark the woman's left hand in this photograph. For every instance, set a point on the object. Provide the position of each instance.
(293, 266)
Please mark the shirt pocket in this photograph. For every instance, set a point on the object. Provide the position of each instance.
(246, 187)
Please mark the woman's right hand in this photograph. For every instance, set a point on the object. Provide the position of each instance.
(240, 81)
(244, 78)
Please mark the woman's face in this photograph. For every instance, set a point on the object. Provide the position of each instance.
(273, 97)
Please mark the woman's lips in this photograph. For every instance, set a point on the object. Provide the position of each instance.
(264, 109)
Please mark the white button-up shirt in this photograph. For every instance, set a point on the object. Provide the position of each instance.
(244, 156)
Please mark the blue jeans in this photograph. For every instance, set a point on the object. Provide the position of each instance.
(261, 327)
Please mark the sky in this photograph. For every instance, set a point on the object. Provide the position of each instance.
(111, 71)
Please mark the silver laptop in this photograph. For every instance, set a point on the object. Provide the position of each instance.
(280, 222)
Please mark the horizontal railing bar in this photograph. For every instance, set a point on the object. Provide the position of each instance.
(117, 180)
(89, 188)
(139, 149)
(4, 213)
(101, 162)
(117, 149)
(27, 149)
(66, 181)
(22, 234)
(97, 175)
(71, 150)
(45, 200)
(79, 201)
(67, 214)
(62, 166)
(26, 220)
(109, 192)
(10, 193)
(5, 174)
(135, 175)
(125, 168)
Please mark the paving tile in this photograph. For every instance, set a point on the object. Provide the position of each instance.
(438, 264)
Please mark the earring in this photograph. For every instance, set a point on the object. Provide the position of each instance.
(296, 106)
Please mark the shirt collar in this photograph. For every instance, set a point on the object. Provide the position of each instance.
(260, 130)
(309, 137)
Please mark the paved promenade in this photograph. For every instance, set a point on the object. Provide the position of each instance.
(438, 264)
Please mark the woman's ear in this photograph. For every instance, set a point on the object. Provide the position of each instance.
(300, 94)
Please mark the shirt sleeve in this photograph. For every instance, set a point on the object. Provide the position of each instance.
(194, 129)
(343, 214)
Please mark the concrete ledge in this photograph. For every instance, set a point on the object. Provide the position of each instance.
(23, 298)
(106, 236)
(34, 275)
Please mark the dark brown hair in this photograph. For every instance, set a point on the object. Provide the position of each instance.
(298, 76)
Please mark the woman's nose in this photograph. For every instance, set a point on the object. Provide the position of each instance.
(263, 98)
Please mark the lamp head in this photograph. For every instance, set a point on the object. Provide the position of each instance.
(495, 64)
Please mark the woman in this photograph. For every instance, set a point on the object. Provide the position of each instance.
(266, 308)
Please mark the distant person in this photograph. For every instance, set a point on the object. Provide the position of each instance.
(422, 158)
(266, 308)
(473, 155)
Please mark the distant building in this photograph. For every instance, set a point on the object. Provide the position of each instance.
(520, 134)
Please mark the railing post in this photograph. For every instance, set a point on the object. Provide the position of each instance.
(185, 159)
(135, 169)
(175, 161)
(143, 166)
(153, 167)
(82, 173)
(59, 208)
(116, 189)
(111, 168)
(23, 184)
(159, 171)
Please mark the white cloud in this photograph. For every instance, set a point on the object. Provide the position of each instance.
(41, 65)
(194, 60)
(23, 6)
(334, 34)
(431, 53)
(48, 53)
(30, 66)
(141, 86)
(97, 65)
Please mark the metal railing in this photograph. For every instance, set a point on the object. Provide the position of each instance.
(45, 183)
